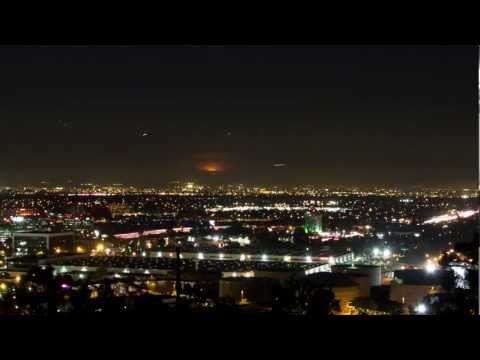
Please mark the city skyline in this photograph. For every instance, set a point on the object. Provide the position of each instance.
(284, 115)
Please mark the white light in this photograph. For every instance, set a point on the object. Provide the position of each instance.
(96, 233)
(387, 254)
(242, 257)
(331, 260)
(421, 309)
(159, 254)
(376, 252)
(126, 271)
(84, 269)
(201, 256)
(221, 256)
(459, 271)
(144, 254)
(264, 257)
(17, 219)
(380, 235)
(417, 235)
(147, 272)
(430, 267)
(308, 258)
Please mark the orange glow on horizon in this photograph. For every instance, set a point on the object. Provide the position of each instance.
(211, 167)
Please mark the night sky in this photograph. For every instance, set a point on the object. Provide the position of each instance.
(333, 115)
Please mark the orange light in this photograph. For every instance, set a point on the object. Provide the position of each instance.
(212, 167)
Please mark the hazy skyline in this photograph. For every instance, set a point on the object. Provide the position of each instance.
(330, 115)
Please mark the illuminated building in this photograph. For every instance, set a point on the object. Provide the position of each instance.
(119, 209)
(366, 276)
(313, 223)
(345, 288)
(410, 286)
(33, 243)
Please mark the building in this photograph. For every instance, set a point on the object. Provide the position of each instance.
(42, 242)
(119, 209)
(367, 276)
(344, 287)
(248, 290)
(313, 222)
(410, 286)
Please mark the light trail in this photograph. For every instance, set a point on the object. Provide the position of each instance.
(454, 215)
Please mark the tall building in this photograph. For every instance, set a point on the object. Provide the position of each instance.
(313, 222)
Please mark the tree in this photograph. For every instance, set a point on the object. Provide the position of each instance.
(265, 240)
(321, 302)
(448, 281)
(100, 274)
(363, 304)
(81, 299)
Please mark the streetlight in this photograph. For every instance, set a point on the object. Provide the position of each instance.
(430, 267)
(421, 309)
(387, 254)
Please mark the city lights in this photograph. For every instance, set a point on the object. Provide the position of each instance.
(454, 215)
(118, 201)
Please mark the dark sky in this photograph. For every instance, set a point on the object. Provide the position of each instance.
(334, 115)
